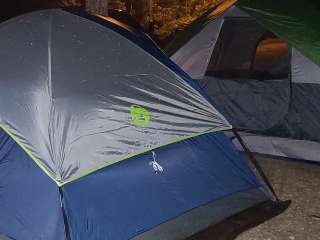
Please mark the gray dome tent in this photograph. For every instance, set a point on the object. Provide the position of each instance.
(103, 137)
(262, 85)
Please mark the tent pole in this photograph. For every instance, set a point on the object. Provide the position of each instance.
(256, 164)
(64, 215)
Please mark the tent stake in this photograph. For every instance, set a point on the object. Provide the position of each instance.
(256, 164)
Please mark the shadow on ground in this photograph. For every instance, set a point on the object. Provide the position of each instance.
(298, 219)
(299, 182)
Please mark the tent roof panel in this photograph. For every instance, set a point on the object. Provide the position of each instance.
(83, 96)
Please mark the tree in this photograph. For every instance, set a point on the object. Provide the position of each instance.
(97, 7)
(141, 12)
(129, 4)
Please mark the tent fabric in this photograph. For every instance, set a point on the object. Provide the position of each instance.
(282, 147)
(303, 70)
(250, 104)
(29, 200)
(122, 105)
(236, 36)
(195, 55)
(146, 43)
(271, 108)
(206, 215)
(197, 26)
(303, 118)
(81, 93)
(139, 199)
(277, 99)
(294, 21)
(194, 58)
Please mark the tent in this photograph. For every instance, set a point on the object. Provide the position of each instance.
(259, 61)
(103, 137)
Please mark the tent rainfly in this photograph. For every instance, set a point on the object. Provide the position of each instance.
(103, 137)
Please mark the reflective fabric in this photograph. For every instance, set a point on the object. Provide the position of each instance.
(82, 96)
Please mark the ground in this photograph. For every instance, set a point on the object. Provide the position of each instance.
(299, 182)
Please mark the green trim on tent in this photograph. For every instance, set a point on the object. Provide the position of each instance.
(61, 183)
(139, 153)
(295, 21)
(37, 161)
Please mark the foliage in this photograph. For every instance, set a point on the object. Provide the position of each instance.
(177, 14)
(167, 16)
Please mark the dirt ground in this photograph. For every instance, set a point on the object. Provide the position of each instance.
(299, 182)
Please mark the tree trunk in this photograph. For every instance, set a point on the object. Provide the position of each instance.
(140, 10)
(97, 7)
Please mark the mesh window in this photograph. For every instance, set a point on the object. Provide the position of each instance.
(242, 52)
(234, 51)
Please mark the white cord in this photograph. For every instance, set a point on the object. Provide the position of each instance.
(156, 166)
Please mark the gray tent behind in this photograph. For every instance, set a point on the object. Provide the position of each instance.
(273, 100)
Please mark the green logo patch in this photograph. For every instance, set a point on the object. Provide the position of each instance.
(139, 116)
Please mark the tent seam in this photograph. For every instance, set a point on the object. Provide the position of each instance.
(72, 179)
(184, 78)
(25, 149)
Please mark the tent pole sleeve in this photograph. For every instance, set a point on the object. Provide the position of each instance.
(256, 164)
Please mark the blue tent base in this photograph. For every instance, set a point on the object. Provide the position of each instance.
(202, 217)
(30, 205)
(129, 199)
